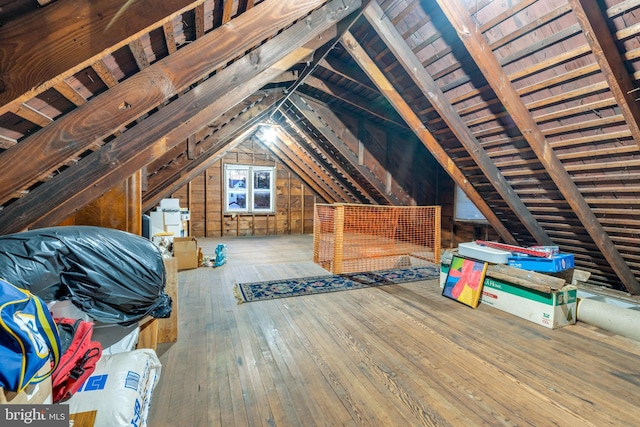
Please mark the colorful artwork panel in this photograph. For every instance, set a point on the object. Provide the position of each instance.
(464, 281)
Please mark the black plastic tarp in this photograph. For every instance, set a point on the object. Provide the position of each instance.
(112, 275)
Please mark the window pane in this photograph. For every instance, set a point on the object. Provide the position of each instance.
(262, 180)
(237, 201)
(262, 200)
(237, 178)
(465, 209)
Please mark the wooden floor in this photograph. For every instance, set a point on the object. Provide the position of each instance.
(398, 355)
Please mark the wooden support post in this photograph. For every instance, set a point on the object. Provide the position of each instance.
(338, 243)
(302, 208)
(436, 234)
(289, 205)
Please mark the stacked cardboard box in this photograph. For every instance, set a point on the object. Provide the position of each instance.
(515, 284)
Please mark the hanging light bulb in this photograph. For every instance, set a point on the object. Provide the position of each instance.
(269, 134)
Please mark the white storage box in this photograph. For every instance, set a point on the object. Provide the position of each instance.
(483, 253)
(172, 218)
(170, 204)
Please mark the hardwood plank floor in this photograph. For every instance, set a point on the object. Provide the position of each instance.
(397, 355)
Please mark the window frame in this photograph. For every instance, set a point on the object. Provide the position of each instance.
(249, 190)
(462, 202)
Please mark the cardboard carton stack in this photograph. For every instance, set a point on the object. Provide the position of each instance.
(524, 285)
(169, 228)
(168, 218)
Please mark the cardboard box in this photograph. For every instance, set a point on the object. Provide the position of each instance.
(552, 310)
(554, 264)
(185, 249)
(172, 218)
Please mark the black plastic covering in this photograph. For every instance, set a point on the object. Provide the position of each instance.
(112, 275)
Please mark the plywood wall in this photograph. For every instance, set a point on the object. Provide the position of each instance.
(119, 208)
(204, 198)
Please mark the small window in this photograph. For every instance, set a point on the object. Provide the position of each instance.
(465, 210)
(249, 188)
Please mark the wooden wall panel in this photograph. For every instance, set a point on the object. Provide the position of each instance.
(198, 209)
(309, 203)
(119, 208)
(205, 199)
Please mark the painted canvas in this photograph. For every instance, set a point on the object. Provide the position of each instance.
(464, 281)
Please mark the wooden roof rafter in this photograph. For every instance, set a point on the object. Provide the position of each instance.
(351, 99)
(183, 170)
(304, 143)
(194, 168)
(430, 89)
(100, 171)
(352, 158)
(73, 133)
(318, 180)
(611, 62)
(496, 77)
(300, 156)
(354, 145)
(72, 57)
(385, 86)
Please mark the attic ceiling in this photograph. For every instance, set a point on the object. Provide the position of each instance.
(530, 106)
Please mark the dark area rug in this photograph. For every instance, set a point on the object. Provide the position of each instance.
(258, 291)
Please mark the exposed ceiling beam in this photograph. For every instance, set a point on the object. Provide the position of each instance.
(318, 185)
(169, 36)
(139, 55)
(73, 133)
(182, 170)
(347, 71)
(352, 158)
(101, 170)
(305, 151)
(70, 93)
(199, 20)
(195, 168)
(352, 99)
(36, 117)
(314, 150)
(499, 82)
(414, 122)
(228, 10)
(204, 137)
(411, 64)
(38, 50)
(603, 45)
(104, 73)
(323, 51)
(244, 5)
(300, 161)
